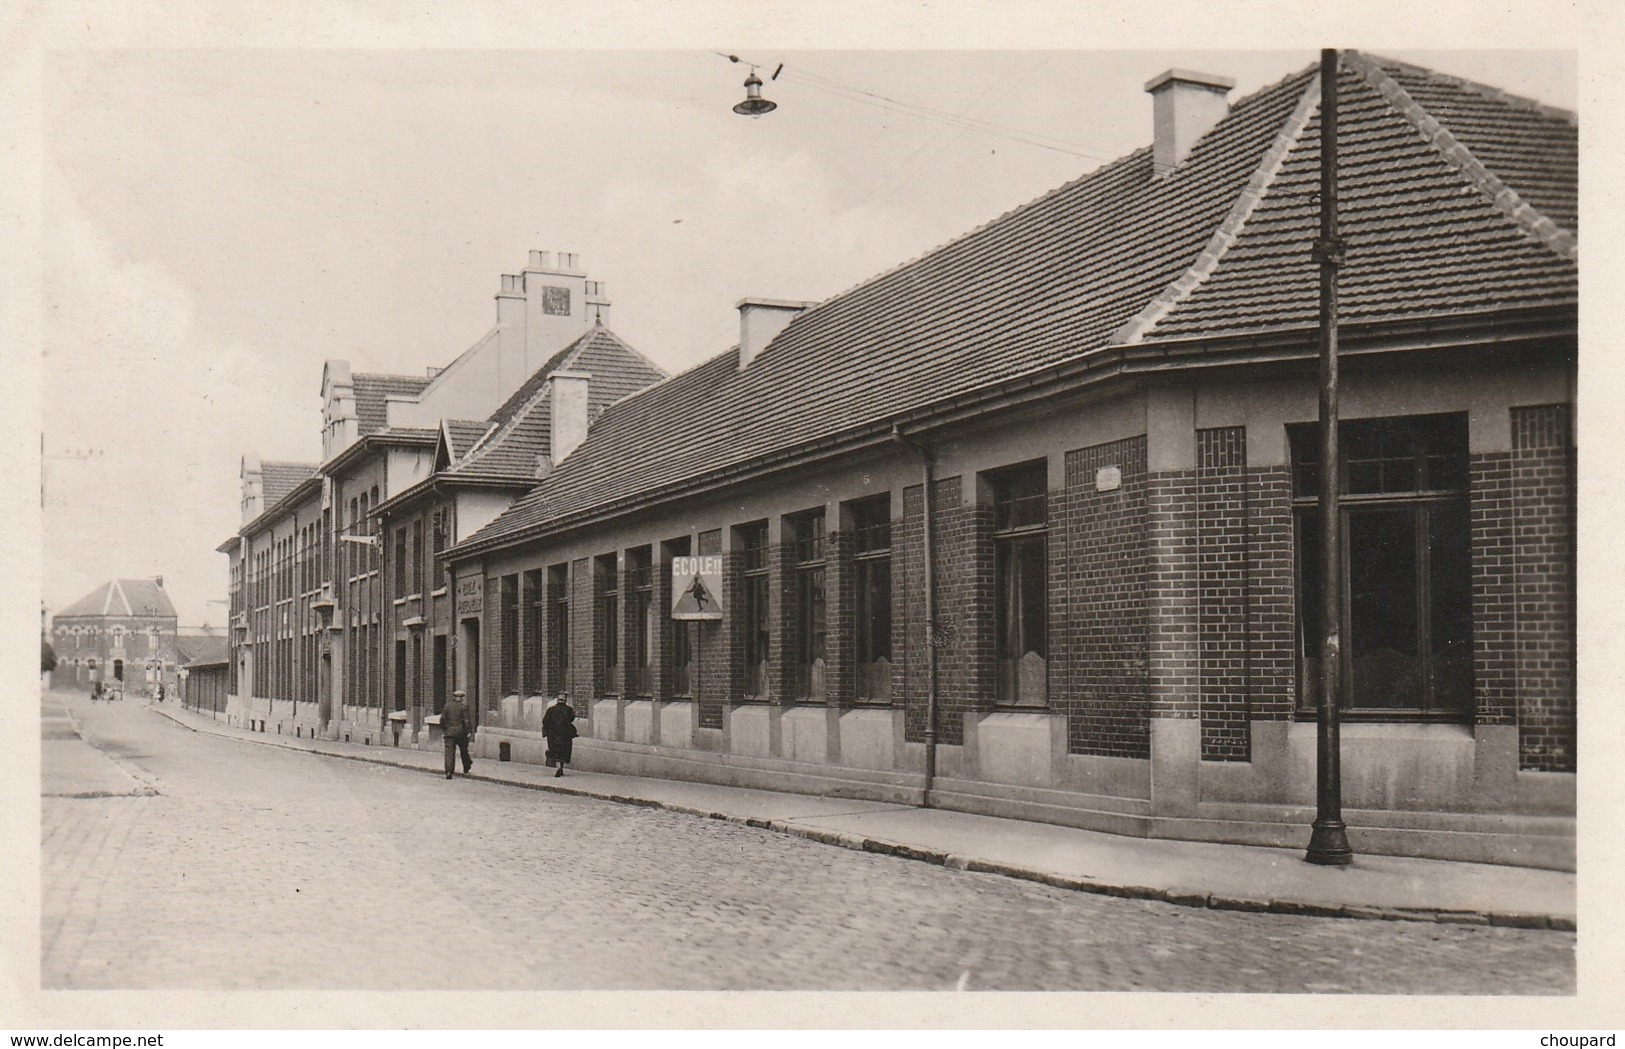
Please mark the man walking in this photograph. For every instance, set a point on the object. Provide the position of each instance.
(455, 728)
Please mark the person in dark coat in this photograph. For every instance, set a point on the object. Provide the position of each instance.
(558, 725)
(456, 728)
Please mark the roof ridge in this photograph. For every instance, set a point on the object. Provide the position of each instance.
(1229, 230)
(629, 348)
(1502, 197)
(1499, 94)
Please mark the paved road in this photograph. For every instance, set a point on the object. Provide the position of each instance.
(254, 867)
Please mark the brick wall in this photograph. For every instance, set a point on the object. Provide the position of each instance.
(1543, 541)
(1175, 680)
(1105, 695)
(909, 641)
(1222, 593)
(1271, 595)
(963, 550)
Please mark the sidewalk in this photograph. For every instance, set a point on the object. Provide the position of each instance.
(1194, 874)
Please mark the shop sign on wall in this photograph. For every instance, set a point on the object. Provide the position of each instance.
(696, 587)
(470, 596)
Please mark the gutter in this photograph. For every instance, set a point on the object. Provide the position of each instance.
(927, 472)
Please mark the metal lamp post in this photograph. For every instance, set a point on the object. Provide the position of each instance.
(1328, 839)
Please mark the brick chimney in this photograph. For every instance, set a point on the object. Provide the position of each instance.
(761, 320)
(1185, 106)
(569, 412)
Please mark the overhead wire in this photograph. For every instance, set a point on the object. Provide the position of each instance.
(854, 93)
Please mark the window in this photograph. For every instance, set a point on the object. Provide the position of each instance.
(417, 556)
(400, 562)
(1020, 584)
(607, 583)
(440, 535)
(682, 636)
(534, 603)
(558, 627)
(810, 634)
(1407, 618)
(754, 606)
(640, 620)
(871, 546)
(508, 639)
(400, 675)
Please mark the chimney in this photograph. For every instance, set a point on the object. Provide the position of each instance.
(511, 352)
(760, 321)
(569, 412)
(253, 498)
(1185, 106)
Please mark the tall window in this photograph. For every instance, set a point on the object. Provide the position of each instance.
(754, 606)
(607, 583)
(1020, 586)
(807, 554)
(558, 627)
(508, 595)
(417, 556)
(871, 550)
(532, 679)
(400, 675)
(401, 565)
(1407, 567)
(682, 631)
(439, 537)
(640, 620)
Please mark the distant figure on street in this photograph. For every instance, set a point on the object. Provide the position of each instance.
(456, 727)
(96, 692)
(558, 725)
(160, 691)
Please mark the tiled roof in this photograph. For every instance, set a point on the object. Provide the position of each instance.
(524, 424)
(370, 391)
(1422, 237)
(123, 597)
(1219, 245)
(277, 479)
(193, 649)
(463, 433)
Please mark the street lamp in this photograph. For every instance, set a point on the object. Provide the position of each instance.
(1328, 838)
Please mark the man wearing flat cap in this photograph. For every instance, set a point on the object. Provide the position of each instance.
(455, 728)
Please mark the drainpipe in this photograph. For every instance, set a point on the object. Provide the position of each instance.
(927, 468)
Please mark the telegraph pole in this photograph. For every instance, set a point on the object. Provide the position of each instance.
(1328, 839)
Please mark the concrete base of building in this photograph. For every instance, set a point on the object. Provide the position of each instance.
(1407, 793)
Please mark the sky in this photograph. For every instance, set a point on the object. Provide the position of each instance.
(218, 221)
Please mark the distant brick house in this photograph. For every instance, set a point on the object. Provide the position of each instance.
(1097, 414)
(339, 613)
(122, 634)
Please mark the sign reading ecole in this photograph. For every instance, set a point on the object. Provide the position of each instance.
(696, 587)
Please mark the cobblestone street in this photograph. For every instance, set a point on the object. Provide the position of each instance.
(260, 868)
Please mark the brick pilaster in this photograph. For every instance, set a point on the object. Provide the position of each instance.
(1543, 539)
(1222, 595)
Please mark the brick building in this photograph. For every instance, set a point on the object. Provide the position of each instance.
(1021, 523)
(334, 632)
(122, 634)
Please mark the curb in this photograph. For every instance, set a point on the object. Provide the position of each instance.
(860, 843)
